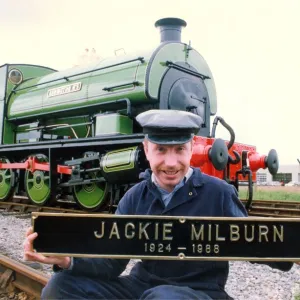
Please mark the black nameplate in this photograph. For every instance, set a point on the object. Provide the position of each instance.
(164, 237)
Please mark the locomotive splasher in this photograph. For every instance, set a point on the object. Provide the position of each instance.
(74, 132)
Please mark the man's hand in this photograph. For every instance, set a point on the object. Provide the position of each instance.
(30, 255)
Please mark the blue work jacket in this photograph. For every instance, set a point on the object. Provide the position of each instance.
(201, 195)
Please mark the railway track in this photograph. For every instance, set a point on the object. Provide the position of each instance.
(262, 208)
(20, 206)
(16, 277)
(23, 208)
(270, 208)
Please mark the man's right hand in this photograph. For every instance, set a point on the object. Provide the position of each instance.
(30, 255)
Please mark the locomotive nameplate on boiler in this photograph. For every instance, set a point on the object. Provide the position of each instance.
(166, 237)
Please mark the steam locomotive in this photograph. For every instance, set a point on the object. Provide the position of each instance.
(73, 133)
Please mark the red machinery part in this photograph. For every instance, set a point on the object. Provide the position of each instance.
(256, 161)
(32, 164)
(200, 159)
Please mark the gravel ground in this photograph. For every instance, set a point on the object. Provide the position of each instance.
(246, 281)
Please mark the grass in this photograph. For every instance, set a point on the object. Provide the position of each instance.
(296, 291)
(272, 193)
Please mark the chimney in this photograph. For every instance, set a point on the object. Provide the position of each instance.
(170, 29)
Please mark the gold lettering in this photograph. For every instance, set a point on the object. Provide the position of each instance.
(114, 231)
(156, 231)
(209, 232)
(142, 230)
(247, 238)
(219, 238)
(129, 235)
(97, 235)
(234, 233)
(197, 235)
(263, 231)
(167, 228)
(277, 233)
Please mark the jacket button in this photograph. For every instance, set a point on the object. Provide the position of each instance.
(190, 193)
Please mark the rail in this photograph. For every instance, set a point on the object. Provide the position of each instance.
(15, 276)
(270, 208)
(19, 206)
(263, 208)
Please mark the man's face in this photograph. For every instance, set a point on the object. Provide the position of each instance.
(169, 163)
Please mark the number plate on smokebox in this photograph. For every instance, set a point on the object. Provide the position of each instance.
(164, 237)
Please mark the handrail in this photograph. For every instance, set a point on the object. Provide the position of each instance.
(141, 59)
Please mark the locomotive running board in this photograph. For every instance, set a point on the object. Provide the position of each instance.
(166, 237)
(109, 140)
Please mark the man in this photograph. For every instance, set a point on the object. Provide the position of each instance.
(171, 188)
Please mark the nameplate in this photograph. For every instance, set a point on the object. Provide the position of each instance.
(168, 238)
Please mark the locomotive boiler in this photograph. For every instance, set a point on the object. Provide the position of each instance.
(73, 133)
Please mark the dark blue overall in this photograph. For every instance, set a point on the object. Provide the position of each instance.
(201, 195)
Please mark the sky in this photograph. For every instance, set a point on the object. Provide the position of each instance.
(252, 48)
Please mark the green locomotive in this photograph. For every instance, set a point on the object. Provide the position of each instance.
(74, 132)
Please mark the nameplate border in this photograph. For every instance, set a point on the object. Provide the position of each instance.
(183, 254)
